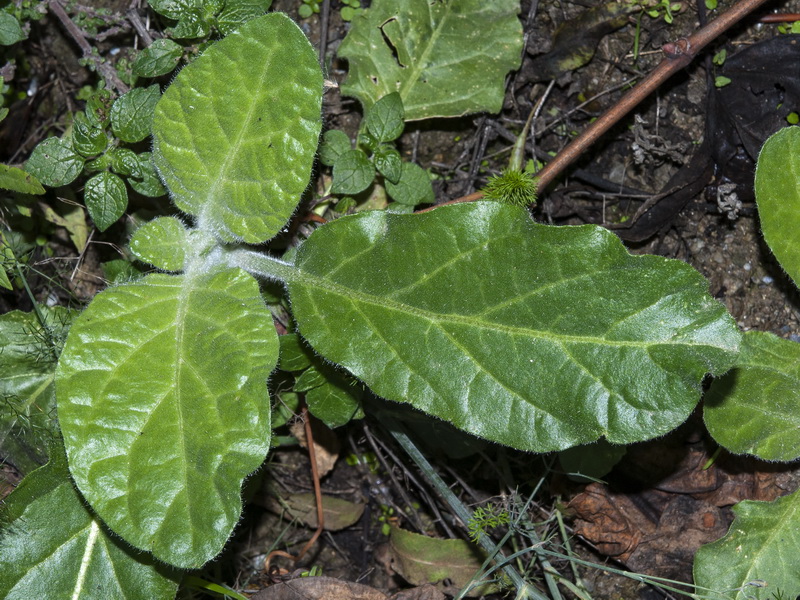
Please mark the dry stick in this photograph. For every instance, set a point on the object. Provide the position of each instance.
(677, 56)
(312, 455)
(106, 71)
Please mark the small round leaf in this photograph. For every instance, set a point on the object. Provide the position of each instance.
(106, 198)
(54, 162)
(352, 173)
(132, 113)
(162, 243)
(413, 188)
(158, 59)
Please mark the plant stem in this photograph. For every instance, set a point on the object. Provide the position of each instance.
(261, 265)
(106, 71)
(677, 55)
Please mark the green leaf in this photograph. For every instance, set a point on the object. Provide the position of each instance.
(54, 162)
(149, 184)
(337, 401)
(413, 188)
(389, 163)
(334, 144)
(533, 336)
(162, 243)
(761, 547)
(17, 180)
(238, 12)
(755, 408)
(132, 113)
(120, 271)
(352, 173)
(106, 198)
(27, 397)
(157, 59)
(590, 461)
(194, 16)
(10, 30)
(445, 58)
(88, 139)
(236, 133)
(163, 403)
(386, 119)
(54, 547)
(5, 282)
(295, 355)
(126, 162)
(778, 197)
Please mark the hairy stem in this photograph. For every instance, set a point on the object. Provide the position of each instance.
(260, 265)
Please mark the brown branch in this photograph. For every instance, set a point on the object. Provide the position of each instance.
(677, 55)
(105, 70)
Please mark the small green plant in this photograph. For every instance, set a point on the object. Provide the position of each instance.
(308, 8)
(485, 518)
(96, 145)
(350, 9)
(661, 9)
(354, 169)
(517, 188)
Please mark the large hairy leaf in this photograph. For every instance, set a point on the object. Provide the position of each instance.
(757, 558)
(445, 58)
(27, 397)
(755, 408)
(537, 337)
(778, 196)
(163, 404)
(54, 547)
(236, 133)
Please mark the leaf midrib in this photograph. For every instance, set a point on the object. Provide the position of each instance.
(308, 279)
(417, 66)
(233, 150)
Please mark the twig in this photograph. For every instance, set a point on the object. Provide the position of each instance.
(141, 30)
(106, 71)
(312, 454)
(323, 31)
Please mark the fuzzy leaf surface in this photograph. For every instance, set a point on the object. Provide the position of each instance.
(536, 337)
(163, 404)
(778, 197)
(762, 545)
(73, 555)
(237, 131)
(755, 408)
(446, 59)
(162, 243)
